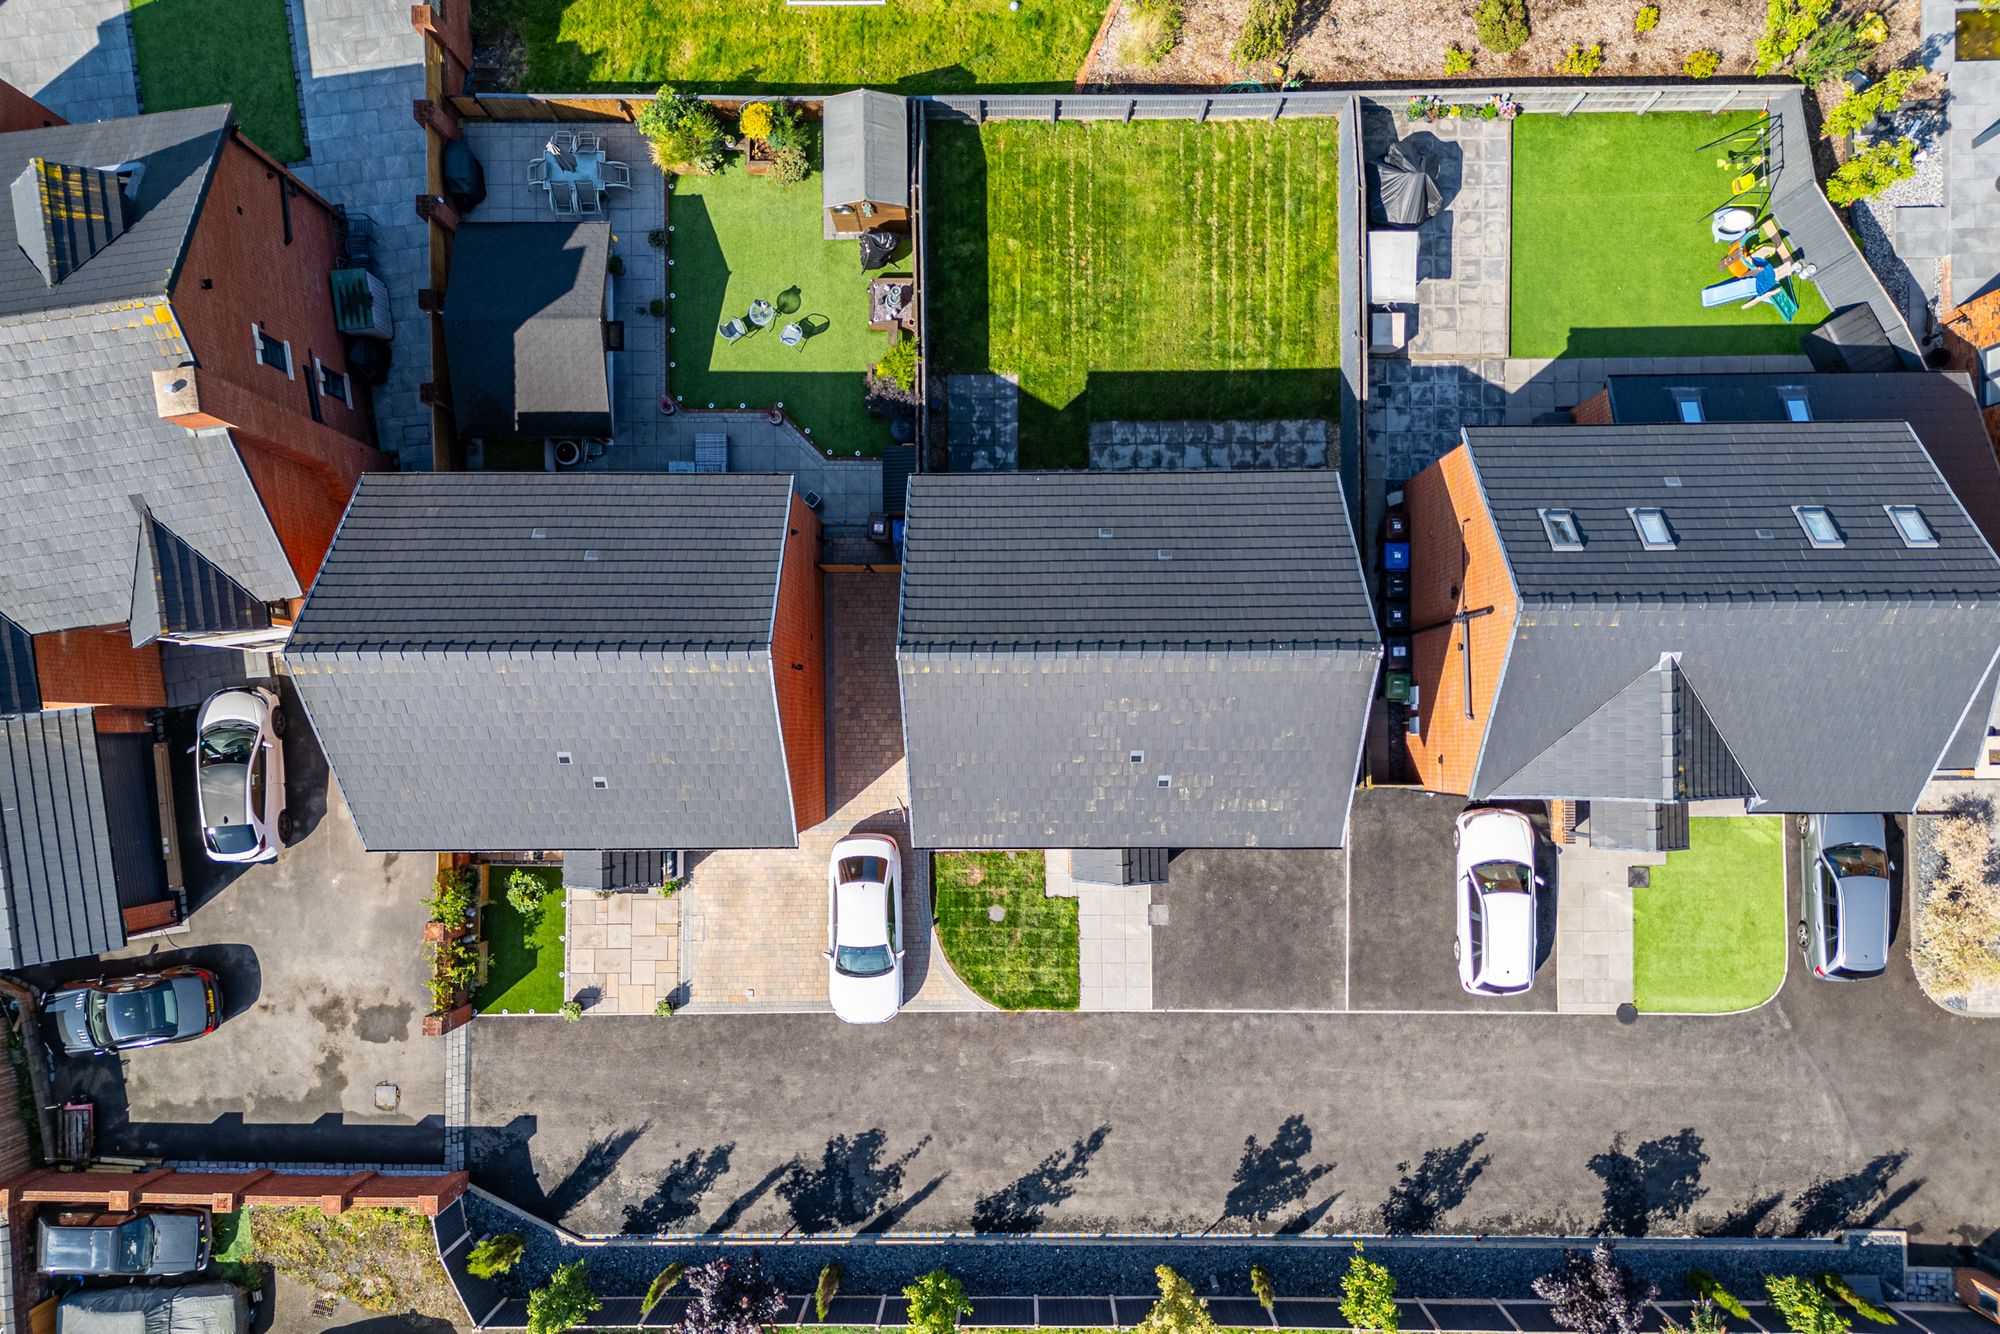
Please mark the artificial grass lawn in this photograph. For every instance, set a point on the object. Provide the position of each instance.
(1151, 271)
(524, 958)
(195, 53)
(738, 237)
(1708, 934)
(1611, 241)
(766, 46)
(1027, 960)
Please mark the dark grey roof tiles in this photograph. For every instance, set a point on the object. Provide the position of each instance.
(20, 685)
(60, 890)
(177, 590)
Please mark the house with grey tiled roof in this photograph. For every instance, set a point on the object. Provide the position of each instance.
(1132, 660)
(1794, 616)
(620, 662)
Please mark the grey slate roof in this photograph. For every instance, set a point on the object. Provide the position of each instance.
(1832, 679)
(1938, 405)
(60, 883)
(1038, 657)
(448, 657)
(865, 145)
(177, 590)
(1119, 866)
(20, 684)
(596, 870)
(524, 328)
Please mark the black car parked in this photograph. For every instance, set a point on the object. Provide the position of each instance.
(151, 1244)
(102, 1014)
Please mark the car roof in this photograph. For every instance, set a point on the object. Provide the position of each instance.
(1864, 902)
(860, 914)
(1510, 938)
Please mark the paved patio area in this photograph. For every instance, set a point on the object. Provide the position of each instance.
(1114, 938)
(622, 951)
(1594, 929)
(72, 56)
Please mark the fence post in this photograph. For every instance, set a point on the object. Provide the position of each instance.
(1278, 108)
(1658, 93)
(1055, 109)
(1131, 105)
(979, 110)
(1202, 119)
(1575, 103)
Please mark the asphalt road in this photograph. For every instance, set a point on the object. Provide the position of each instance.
(1834, 1105)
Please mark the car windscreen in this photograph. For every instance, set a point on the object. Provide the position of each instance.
(864, 960)
(1501, 877)
(227, 743)
(871, 869)
(1858, 859)
(134, 1016)
(230, 838)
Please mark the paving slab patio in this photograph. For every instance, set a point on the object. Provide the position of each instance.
(72, 56)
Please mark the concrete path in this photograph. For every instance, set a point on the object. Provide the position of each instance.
(72, 56)
(1972, 160)
(1114, 937)
(1594, 930)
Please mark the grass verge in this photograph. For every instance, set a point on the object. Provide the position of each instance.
(379, 1259)
(1708, 934)
(195, 53)
(1028, 959)
(1151, 271)
(524, 954)
(1611, 243)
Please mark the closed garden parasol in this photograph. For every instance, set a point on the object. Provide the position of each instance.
(1405, 194)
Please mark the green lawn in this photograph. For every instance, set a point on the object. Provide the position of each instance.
(1028, 959)
(1611, 241)
(738, 237)
(525, 957)
(195, 53)
(766, 46)
(1152, 271)
(1709, 932)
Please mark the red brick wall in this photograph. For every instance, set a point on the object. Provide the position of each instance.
(18, 111)
(305, 503)
(240, 272)
(1593, 411)
(99, 666)
(798, 638)
(1453, 547)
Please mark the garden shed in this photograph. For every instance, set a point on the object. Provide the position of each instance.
(866, 145)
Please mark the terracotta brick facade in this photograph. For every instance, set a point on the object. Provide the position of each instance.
(798, 659)
(99, 666)
(305, 503)
(1456, 565)
(1593, 411)
(18, 111)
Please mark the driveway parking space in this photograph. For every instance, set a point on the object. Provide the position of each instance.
(1258, 929)
(321, 962)
(1400, 928)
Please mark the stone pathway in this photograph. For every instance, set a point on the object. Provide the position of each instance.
(1114, 938)
(984, 415)
(72, 56)
(1594, 929)
(1181, 445)
(360, 65)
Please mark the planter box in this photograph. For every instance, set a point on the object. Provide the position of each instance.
(437, 1025)
(479, 977)
(758, 159)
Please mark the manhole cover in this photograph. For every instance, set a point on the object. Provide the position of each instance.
(1638, 877)
(1156, 914)
(326, 1304)
(996, 914)
(387, 1095)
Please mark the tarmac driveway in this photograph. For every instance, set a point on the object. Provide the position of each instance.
(321, 962)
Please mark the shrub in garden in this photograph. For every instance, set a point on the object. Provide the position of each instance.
(1701, 64)
(1580, 62)
(1502, 24)
(1871, 171)
(1456, 62)
(1707, 1288)
(1152, 29)
(1178, 1310)
(1263, 1287)
(1596, 1293)
(663, 1008)
(1873, 28)
(1852, 113)
(754, 121)
(1835, 52)
(494, 1256)
(1368, 1295)
(1864, 1308)
(564, 1303)
(683, 133)
(1806, 1305)
(1267, 32)
(1787, 26)
(790, 164)
(828, 1287)
(899, 364)
(454, 894)
(524, 892)
(571, 1011)
(732, 1296)
(1958, 914)
(1647, 19)
(937, 1303)
(662, 1284)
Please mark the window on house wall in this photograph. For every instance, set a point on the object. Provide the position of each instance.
(1687, 405)
(272, 351)
(334, 383)
(1655, 534)
(1912, 526)
(1796, 407)
(1820, 528)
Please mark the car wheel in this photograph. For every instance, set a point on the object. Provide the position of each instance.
(286, 827)
(1802, 935)
(280, 720)
(1456, 950)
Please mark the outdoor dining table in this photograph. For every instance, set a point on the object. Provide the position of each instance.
(761, 314)
(579, 169)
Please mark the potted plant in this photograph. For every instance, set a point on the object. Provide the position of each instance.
(755, 122)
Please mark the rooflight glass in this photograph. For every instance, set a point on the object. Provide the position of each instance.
(1562, 530)
(1796, 407)
(1687, 404)
(1654, 533)
(1911, 526)
(1820, 528)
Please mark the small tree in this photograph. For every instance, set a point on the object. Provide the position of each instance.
(1595, 1294)
(1457, 61)
(1178, 1310)
(1701, 64)
(1871, 171)
(1864, 1308)
(662, 1284)
(1502, 24)
(494, 1256)
(1852, 113)
(1368, 1295)
(732, 1296)
(755, 120)
(524, 893)
(1261, 1284)
(564, 1303)
(683, 132)
(828, 1287)
(1787, 25)
(899, 364)
(1806, 1305)
(937, 1303)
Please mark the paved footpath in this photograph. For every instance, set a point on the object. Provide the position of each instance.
(74, 56)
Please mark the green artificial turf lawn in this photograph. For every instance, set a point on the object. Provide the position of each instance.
(195, 53)
(1611, 243)
(738, 237)
(766, 46)
(1708, 934)
(1150, 271)
(524, 960)
(1027, 960)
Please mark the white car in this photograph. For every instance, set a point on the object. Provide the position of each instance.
(864, 929)
(1496, 902)
(240, 775)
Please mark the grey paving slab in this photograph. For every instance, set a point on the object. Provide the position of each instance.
(983, 412)
(73, 56)
(1181, 445)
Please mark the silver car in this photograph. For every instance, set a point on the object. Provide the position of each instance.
(1847, 900)
(240, 776)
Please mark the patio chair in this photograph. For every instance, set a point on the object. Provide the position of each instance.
(614, 176)
(538, 171)
(588, 143)
(735, 329)
(563, 141)
(562, 198)
(793, 335)
(589, 203)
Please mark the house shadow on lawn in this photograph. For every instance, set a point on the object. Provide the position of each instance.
(1774, 339)
(1058, 436)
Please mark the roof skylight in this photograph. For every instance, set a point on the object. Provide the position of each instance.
(1562, 529)
(1911, 526)
(1654, 532)
(1819, 526)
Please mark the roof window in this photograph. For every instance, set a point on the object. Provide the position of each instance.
(1820, 528)
(1687, 405)
(1796, 407)
(1560, 525)
(1654, 532)
(1911, 526)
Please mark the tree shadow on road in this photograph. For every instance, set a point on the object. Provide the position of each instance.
(1859, 1199)
(1434, 1187)
(1022, 1205)
(851, 1184)
(677, 1199)
(1657, 1182)
(1271, 1178)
